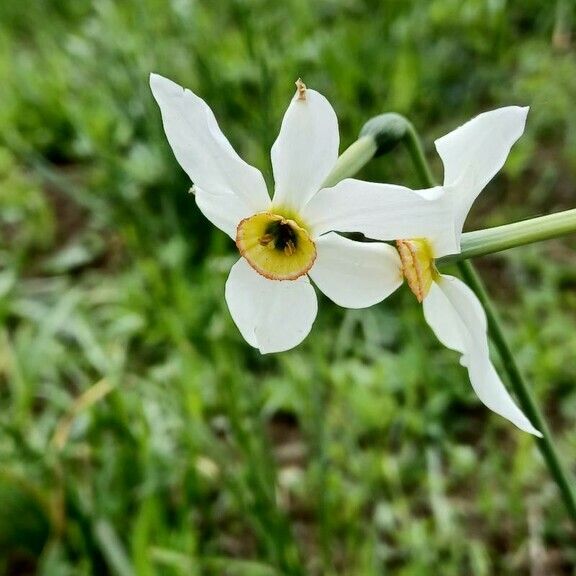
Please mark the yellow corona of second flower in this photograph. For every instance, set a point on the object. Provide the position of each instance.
(417, 265)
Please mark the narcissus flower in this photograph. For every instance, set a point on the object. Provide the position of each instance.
(289, 239)
(472, 154)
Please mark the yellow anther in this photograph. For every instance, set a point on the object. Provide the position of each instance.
(266, 239)
(290, 248)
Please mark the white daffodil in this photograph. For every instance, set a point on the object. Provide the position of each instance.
(291, 238)
(472, 154)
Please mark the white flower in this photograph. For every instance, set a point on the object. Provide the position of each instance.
(291, 238)
(472, 154)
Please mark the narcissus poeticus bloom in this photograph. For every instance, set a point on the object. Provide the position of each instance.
(472, 154)
(289, 239)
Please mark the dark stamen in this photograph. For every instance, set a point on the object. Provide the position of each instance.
(285, 237)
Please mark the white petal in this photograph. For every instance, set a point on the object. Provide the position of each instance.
(383, 212)
(355, 274)
(306, 149)
(272, 315)
(457, 318)
(225, 210)
(473, 153)
(443, 317)
(201, 148)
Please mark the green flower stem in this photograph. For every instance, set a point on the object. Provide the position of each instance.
(519, 384)
(482, 242)
(414, 146)
(523, 392)
(351, 160)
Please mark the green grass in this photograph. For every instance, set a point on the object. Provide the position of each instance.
(139, 434)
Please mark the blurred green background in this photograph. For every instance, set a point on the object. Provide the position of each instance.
(139, 434)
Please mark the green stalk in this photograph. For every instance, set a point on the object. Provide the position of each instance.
(519, 384)
(482, 242)
(351, 160)
(523, 392)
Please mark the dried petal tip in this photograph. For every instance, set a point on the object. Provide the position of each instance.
(300, 90)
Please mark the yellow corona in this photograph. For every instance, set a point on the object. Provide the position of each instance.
(276, 246)
(417, 265)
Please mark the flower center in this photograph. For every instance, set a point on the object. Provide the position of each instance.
(418, 266)
(275, 246)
